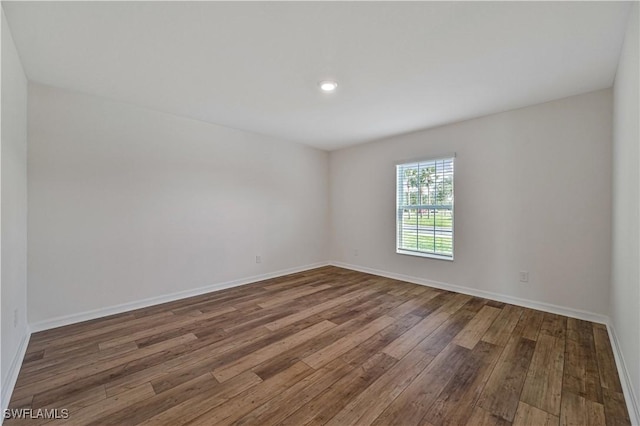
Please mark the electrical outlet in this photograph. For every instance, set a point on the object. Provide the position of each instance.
(15, 318)
(258, 259)
(355, 252)
(524, 276)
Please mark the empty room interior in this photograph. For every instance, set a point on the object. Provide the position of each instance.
(305, 213)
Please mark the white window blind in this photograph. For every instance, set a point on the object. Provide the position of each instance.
(424, 195)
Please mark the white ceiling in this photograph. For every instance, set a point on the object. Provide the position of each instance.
(255, 66)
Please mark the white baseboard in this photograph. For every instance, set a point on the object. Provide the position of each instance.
(541, 306)
(9, 382)
(129, 306)
(625, 380)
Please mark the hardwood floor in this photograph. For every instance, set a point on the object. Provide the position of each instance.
(327, 346)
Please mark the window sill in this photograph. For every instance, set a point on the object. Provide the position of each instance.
(427, 255)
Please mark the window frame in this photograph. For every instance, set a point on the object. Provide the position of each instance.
(418, 253)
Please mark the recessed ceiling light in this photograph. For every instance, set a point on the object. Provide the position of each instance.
(328, 85)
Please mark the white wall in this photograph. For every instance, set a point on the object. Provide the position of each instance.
(625, 277)
(532, 192)
(14, 209)
(127, 203)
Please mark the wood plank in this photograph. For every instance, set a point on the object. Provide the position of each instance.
(169, 367)
(543, 385)
(455, 403)
(176, 323)
(25, 402)
(286, 359)
(422, 305)
(502, 327)
(554, 325)
(579, 411)
(33, 356)
(320, 409)
(80, 399)
(63, 383)
(367, 406)
(192, 408)
(390, 357)
(286, 403)
(59, 363)
(138, 412)
(238, 406)
(117, 329)
(532, 416)
(332, 303)
(377, 306)
(110, 405)
(581, 375)
(293, 294)
(230, 370)
(496, 304)
(481, 417)
(606, 361)
(455, 303)
(413, 403)
(69, 330)
(423, 353)
(615, 408)
(477, 327)
(380, 340)
(86, 398)
(530, 323)
(339, 347)
(502, 392)
(402, 345)
(374, 343)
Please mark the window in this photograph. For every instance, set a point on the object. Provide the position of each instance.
(424, 194)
